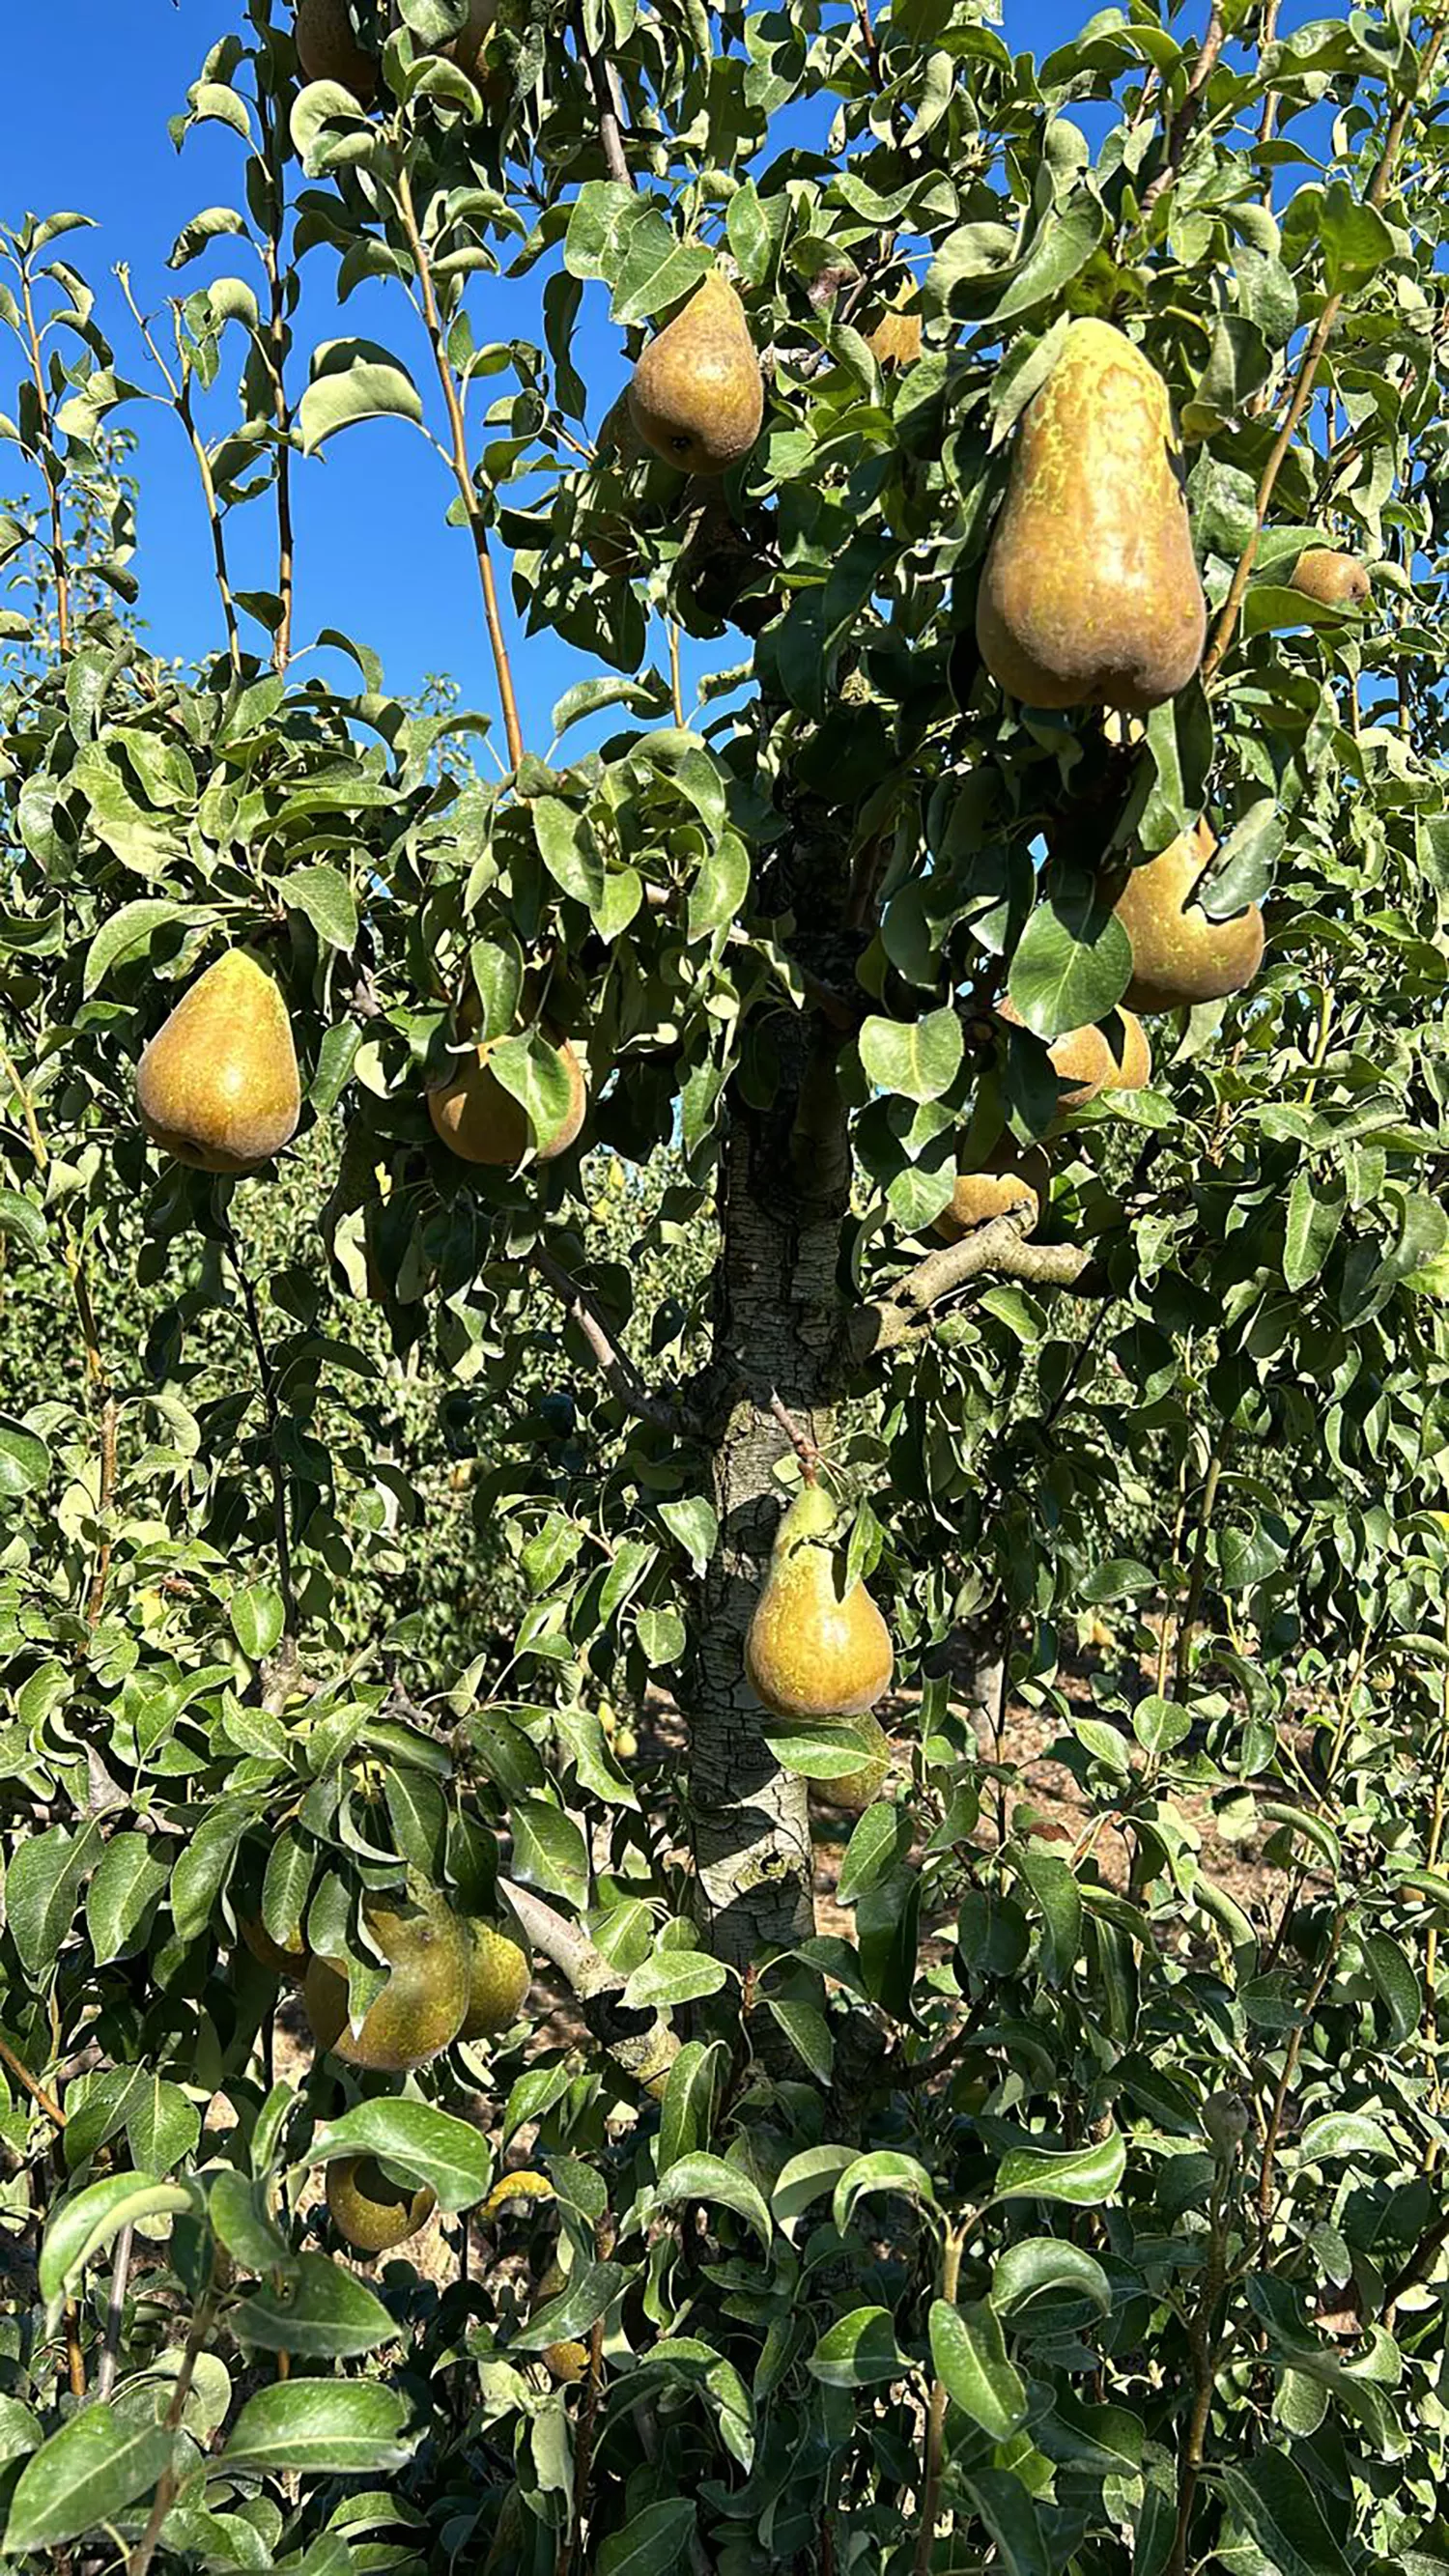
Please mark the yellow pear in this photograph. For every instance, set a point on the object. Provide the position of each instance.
(1013, 1180)
(480, 1122)
(1180, 955)
(372, 2213)
(696, 394)
(1334, 580)
(809, 1653)
(857, 1790)
(327, 49)
(1090, 593)
(499, 1978)
(422, 2006)
(217, 1086)
(896, 339)
(1086, 1061)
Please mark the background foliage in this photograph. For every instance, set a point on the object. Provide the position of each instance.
(1075, 2208)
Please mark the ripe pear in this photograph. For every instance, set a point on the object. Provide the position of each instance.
(327, 49)
(896, 339)
(1080, 1058)
(1180, 956)
(1334, 580)
(1129, 1051)
(290, 1963)
(480, 1122)
(217, 1086)
(422, 2006)
(809, 1653)
(499, 1978)
(1090, 593)
(1013, 1180)
(857, 1790)
(372, 2213)
(696, 394)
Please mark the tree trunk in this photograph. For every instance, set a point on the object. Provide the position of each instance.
(777, 1331)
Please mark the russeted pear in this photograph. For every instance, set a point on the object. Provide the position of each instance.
(217, 1087)
(422, 2007)
(696, 394)
(1180, 955)
(809, 1653)
(1012, 1181)
(1334, 580)
(327, 49)
(1090, 593)
(1086, 1061)
(480, 1122)
(1128, 1048)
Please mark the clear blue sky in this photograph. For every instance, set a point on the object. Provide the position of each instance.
(89, 87)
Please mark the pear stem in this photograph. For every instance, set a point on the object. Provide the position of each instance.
(462, 470)
(1306, 378)
(800, 1440)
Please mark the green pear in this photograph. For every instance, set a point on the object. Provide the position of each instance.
(1334, 580)
(327, 49)
(480, 1122)
(1180, 955)
(499, 1978)
(217, 1086)
(810, 1653)
(857, 1790)
(1090, 593)
(422, 2007)
(371, 2213)
(696, 394)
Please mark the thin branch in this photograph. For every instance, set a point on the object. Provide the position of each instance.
(268, 1377)
(115, 2313)
(869, 40)
(462, 471)
(1197, 1579)
(1206, 2347)
(38, 2094)
(936, 2416)
(1290, 2065)
(676, 690)
(27, 1109)
(179, 389)
(618, 1372)
(605, 2236)
(1267, 35)
(166, 2486)
(1307, 374)
(1418, 2265)
(637, 2041)
(1188, 113)
(603, 81)
(276, 360)
(52, 479)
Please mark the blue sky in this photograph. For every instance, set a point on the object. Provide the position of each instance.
(90, 86)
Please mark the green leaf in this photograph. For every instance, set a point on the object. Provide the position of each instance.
(549, 1850)
(1083, 2177)
(127, 933)
(717, 896)
(859, 2349)
(86, 2474)
(429, 2146)
(1311, 1229)
(41, 1887)
(882, 2171)
(1343, 2134)
(202, 1867)
(316, 2310)
(694, 1523)
(687, 2111)
(354, 380)
(1059, 248)
(673, 1977)
(22, 1221)
(1038, 2266)
(652, 2542)
(84, 2226)
(567, 848)
(257, 1615)
(709, 2178)
(969, 2351)
(348, 2427)
(920, 1059)
(1354, 236)
(872, 1849)
(162, 2126)
(590, 2289)
(1273, 2500)
(237, 2207)
(24, 1460)
(819, 1748)
(1073, 962)
(326, 899)
(536, 1076)
(1011, 2518)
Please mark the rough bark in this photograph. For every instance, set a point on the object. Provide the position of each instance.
(777, 1331)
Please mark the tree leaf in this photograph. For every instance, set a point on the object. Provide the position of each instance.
(354, 380)
(1073, 962)
(651, 2542)
(1271, 2497)
(919, 1059)
(86, 2474)
(709, 2178)
(83, 2226)
(316, 2310)
(1083, 2177)
(347, 2427)
(859, 2349)
(429, 2146)
(326, 899)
